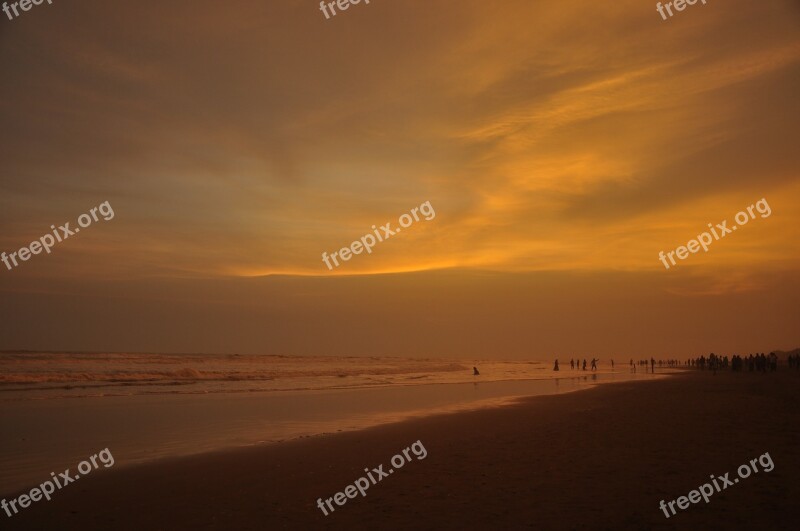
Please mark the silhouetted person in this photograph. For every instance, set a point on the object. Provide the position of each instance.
(572, 364)
(594, 364)
(584, 364)
(475, 371)
(555, 367)
(612, 365)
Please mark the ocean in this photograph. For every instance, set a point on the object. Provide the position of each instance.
(57, 409)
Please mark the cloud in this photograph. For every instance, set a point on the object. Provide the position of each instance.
(251, 138)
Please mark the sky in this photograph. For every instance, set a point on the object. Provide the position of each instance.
(562, 144)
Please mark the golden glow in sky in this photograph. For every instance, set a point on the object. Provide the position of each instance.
(566, 136)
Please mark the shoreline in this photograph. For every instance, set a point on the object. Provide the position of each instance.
(600, 459)
(146, 428)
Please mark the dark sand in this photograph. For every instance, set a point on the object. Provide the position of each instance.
(596, 459)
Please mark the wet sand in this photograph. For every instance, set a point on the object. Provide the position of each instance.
(596, 459)
(144, 427)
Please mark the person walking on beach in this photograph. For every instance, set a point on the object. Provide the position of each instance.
(555, 367)
(594, 364)
(612, 364)
(584, 364)
(572, 364)
(652, 365)
(475, 371)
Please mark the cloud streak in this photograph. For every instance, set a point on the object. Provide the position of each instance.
(246, 140)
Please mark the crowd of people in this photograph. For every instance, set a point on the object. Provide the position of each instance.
(576, 364)
(759, 362)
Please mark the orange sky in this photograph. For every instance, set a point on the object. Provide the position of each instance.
(563, 145)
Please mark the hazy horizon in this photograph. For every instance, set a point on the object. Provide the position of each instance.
(446, 314)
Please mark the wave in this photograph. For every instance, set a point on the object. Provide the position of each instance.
(41, 375)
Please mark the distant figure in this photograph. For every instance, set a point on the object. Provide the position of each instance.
(475, 371)
(594, 364)
(652, 365)
(555, 367)
(584, 364)
(612, 364)
(572, 364)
